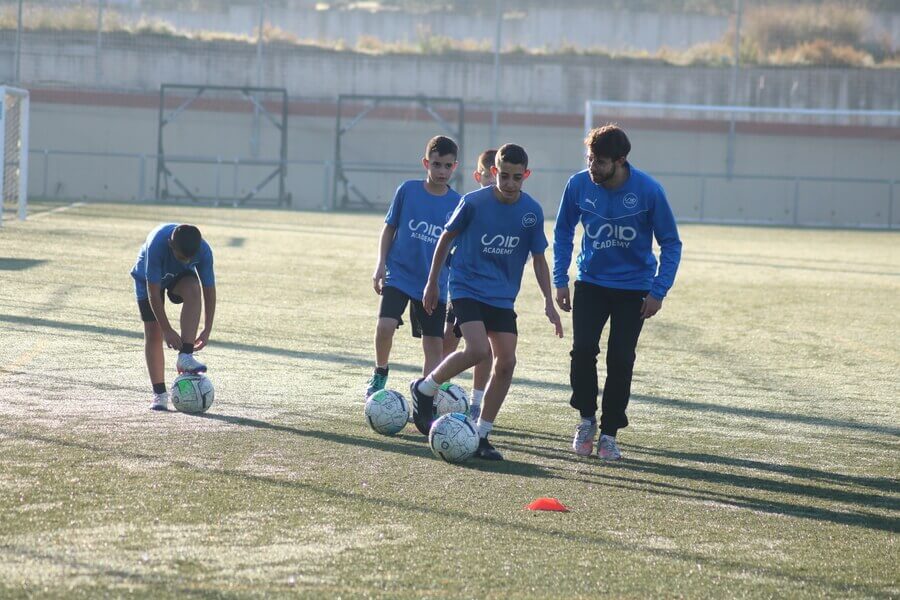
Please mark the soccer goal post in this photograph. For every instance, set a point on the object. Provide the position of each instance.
(14, 141)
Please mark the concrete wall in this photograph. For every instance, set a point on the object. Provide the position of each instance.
(558, 84)
(542, 99)
(555, 151)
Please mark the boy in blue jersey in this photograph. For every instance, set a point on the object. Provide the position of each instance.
(494, 230)
(175, 260)
(452, 334)
(621, 210)
(414, 222)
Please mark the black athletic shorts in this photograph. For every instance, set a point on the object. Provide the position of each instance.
(499, 320)
(147, 315)
(393, 304)
(451, 320)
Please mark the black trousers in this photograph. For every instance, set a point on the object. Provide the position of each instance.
(592, 307)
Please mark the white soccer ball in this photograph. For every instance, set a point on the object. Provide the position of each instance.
(450, 398)
(192, 393)
(387, 411)
(453, 438)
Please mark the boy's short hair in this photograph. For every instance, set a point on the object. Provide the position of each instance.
(608, 141)
(512, 154)
(486, 159)
(442, 145)
(187, 238)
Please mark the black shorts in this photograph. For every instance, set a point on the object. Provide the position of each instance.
(451, 320)
(393, 304)
(499, 320)
(147, 315)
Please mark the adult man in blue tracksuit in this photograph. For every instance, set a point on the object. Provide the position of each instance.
(621, 210)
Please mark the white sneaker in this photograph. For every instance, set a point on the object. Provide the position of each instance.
(160, 401)
(608, 450)
(188, 364)
(583, 442)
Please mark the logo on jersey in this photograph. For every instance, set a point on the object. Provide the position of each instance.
(529, 220)
(630, 200)
(499, 244)
(610, 236)
(425, 231)
(593, 203)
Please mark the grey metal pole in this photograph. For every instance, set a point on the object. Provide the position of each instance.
(735, 69)
(98, 71)
(259, 42)
(495, 105)
(255, 134)
(18, 70)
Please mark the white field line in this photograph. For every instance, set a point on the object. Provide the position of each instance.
(57, 210)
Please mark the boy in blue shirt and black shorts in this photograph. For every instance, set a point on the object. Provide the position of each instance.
(452, 334)
(176, 261)
(414, 222)
(621, 210)
(494, 230)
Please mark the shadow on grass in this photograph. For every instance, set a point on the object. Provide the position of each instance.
(802, 491)
(885, 484)
(347, 359)
(580, 537)
(19, 264)
(410, 445)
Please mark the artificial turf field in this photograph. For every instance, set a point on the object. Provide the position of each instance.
(762, 460)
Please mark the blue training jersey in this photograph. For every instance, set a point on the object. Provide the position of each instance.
(156, 263)
(493, 245)
(619, 227)
(419, 218)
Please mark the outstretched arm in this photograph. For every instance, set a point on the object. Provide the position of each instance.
(430, 294)
(209, 312)
(384, 246)
(172, 337)
(563, 243)
(542, 274)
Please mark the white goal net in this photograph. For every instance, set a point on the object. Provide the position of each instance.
(14, 142)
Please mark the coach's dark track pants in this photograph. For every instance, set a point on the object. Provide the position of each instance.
(592, 307)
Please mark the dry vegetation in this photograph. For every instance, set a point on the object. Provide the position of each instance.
(820, 34)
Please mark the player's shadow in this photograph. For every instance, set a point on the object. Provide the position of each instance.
(403, 443)
(19, 264)
(884, 484)
(593, 540)
(616, 474)
(351, 360)
(622, 474)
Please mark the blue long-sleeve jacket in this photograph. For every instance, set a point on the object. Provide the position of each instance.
(619, 227)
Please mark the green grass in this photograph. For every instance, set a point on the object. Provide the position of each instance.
(762, 459)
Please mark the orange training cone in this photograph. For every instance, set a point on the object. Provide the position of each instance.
(547, 504)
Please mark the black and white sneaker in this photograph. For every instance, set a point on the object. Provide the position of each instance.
(486, 451)
(423, 407)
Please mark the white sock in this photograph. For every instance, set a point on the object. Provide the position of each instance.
(429, 386)
(484, 428)
(477, 395)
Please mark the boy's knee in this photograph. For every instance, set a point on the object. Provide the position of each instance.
(188, 288)
(385, 328)
(153, 333)
(477, 354)
(505, 366)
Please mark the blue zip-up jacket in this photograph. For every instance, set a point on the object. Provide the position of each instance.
(619, 227)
